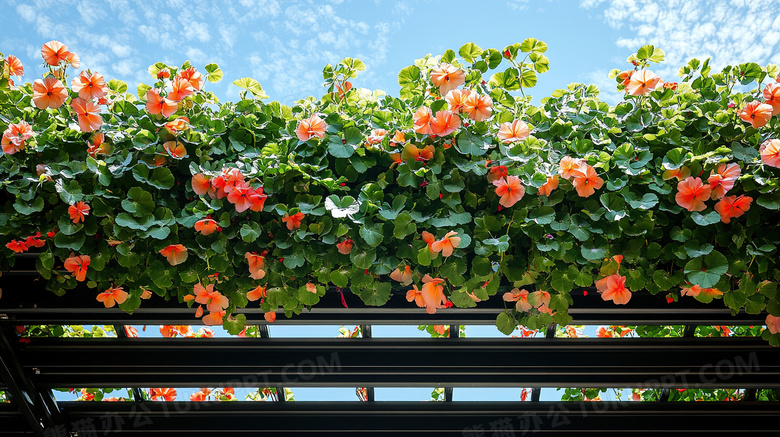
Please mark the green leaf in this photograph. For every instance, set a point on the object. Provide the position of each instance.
(372, 236)
(252, 86)
(362, 259)
(27, 208)
(117, 86)
(470, 51)
(506, 323)
(377, 295)
(696, 249)
(706, 271)
(293, 260)
(161, 178)
(215, 74)
(339, 278)
(533, 45)
(234, 325)
(645, 52)
(138, 202)
(710, 218)
(593, 252)
(339, 148)
(770, 201)
(543, 215)
(73, 242)
(528, 79)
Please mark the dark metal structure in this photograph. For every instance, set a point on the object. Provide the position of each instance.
(30, 368)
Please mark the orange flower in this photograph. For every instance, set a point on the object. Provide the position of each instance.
(88, 113)
(163, 394)
(510, 190)
(679, 173)
(214, 318)
(178, 125)
(200, 395)
(773, 324)
(694, 291)
(78, 211)
(175, 149)
(447, 77)
(422, 120)
(112, 296)
(756, 113)
(255, 265)
(34, 241)
(175, 253)
(17, 246)
(642, 82)
(73, 60)
(293, 221)
(613, 288)
(445, 123)
(398, 137)
(691, 194)
(77, 265)
(455, 99)
(430, 239)
(164, 73)
(478, 107)
(433, 294)
(311, 127)
(345, 247)
(158, 105)
(13, 66)
(97, 145)
(53, 52)
(49, 93)
(771, 96)
(214, 300)
(496, 173)
(519, 296)
(89, 86)
(412, 153)
(670, 85)
(256, 294)
(193, 77)
(270, 316)
(770, 152)
(569, 165)
(446, 244)
(341, 90)
(258, 200)
(586, 181)
(723, 181)
(549, 186)
(404, 278)
(625, 76)
(540, 300)
(181, 88)
(377, 135)
(732, 206)
(200, 185)
(14, 137)
(242, 196)
(206, 226)
(416, 296)
(510, 132)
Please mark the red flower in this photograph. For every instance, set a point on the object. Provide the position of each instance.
(293, 221)
(175, 253)
(77, 265)
(78, 211)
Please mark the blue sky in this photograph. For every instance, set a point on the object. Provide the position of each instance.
(285, 44)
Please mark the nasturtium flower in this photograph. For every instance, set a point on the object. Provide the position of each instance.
(770, 152)
(756, 113)
(230, 178)
(49, 93)
(159, 105)
(376, 137)
(257, 293)
(311, 127)
(511, 132)
(112, 296)
(34, 241)
(242, 196)
(206, 226)
(732, 206)
(214, 318)
(270, 316)
(200, 184)
(723, 180)
(695, 290)
(773, 324)
(193, 77)
(293, 221)
(625, 76)
(13, 66)
(772, 97)
(78, 211)
(97, 145)
(89, 86)
(613, 288)
(455, 99)
(478, 107)
(433, 294)
(422, 120)
(178, 125)
(510, 190)
(258, 202)
(446, 244)
(405, 277)
(497, 172)
(175, 149)
(413, 153)
(163, 394)
(164, 73)
(540, 300)
(15, 136)
(445, 123)
(398, 138)
(549, 186)
(175, 253)
(679, 173)
(255, 265)
(77, 265)
(181, 88)
(569, 165)
(88, 114)
(642, 82)
(214, 300)
(519, 296)
(17, 246)
(345, 247)
(53, 52)
(447, 77)
(691, 194)
(586, 181)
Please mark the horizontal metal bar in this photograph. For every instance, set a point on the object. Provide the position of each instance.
(12, 420)
(25, 301)
(422, 362)
(429, 418)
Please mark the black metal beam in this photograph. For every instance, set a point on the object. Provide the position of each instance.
(384, 362)
(431, 418)
(25, 301)
(13, 422)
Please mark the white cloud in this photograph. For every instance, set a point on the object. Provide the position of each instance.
(729, 32)
(27, 12)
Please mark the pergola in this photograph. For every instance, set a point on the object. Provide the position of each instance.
(32, 367)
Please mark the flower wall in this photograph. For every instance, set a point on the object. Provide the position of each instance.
(449, 191)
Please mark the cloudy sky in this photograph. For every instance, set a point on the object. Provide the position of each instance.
(285, 44)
